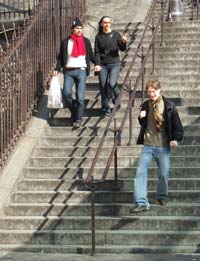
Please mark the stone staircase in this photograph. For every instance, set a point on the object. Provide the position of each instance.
(49, 209)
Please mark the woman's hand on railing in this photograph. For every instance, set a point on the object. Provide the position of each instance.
(124, 38)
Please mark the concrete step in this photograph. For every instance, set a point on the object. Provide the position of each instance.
(101, 122)
(81, 173)
(123, 161)
(165, 49)
(94, 140)
(74, 196)
(103, 237)
(67, 251)
(113, 209)
(90, 112)
(98, 131)
(66, 184)
(131, 223)
(89, 151)
(172, 41)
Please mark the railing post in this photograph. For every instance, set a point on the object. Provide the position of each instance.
(115, 156)
(153, 49)
(192, 11)
(130, 117)
(24, 81)
(93, 219)
(142, 60)
(162, 24)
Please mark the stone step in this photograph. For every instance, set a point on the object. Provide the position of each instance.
(174, 41)
(96, 111)
(87, 141)
(81, 173)
(165, 49)
(101, 209)
(179, 64)
(103, 237)
(173, 35)
(175, 223)
(172, 94)
(170, 71)
(166, 56)
(171, 24)
(89, 151)
(123, 161)
(68, 250)
(102, 122)
(74, 196)
(98, 131)
(66, 184)
(162, 78)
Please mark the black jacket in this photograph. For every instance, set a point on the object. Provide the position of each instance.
(173, 125)
(63, 55)
(107, 47)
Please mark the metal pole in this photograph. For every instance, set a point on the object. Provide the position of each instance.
(162, 24)
(142, 57)
(130, 118)
(153, 49)
(93, 219)
(192, 17)
(115, 157)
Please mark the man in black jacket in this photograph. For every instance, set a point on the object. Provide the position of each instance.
(161, 130)
(74, 58)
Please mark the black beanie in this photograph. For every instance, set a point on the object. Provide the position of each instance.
(76, 22)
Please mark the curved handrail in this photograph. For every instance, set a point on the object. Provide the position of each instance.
(118, 134)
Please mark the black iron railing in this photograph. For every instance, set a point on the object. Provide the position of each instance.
(26, 63)
(195, 8)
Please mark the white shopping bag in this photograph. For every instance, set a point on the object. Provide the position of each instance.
(55, 94)
(177, 7)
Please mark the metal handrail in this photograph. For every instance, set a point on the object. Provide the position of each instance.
(124, 86)
(193, 4)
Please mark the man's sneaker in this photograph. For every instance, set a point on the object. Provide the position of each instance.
(140, 208)
(118, 107)
(162, 201)
(77, 124)
(106, 114)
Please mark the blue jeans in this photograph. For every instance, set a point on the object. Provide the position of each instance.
(108, 77)
(161, 155)
(78, 77)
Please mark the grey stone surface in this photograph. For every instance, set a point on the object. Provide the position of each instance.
(13, 256)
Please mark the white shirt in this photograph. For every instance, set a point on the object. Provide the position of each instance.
(75, 62)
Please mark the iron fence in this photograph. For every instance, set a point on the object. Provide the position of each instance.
(26, 64)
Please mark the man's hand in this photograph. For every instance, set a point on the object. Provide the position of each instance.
(55, 73)
(142, 114)
(124, 38)
(97, 68)
(173, 144)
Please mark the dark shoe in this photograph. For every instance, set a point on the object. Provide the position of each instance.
(77, 124)
(139, 208)
(162, 201)
(118, 107)
(106, 114)
(72, 116)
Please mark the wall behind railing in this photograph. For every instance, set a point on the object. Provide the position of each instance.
(26, 65)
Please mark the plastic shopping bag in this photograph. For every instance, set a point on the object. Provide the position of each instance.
(176, 7)
(55, 94)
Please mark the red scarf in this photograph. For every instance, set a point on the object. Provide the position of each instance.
(78, 46)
